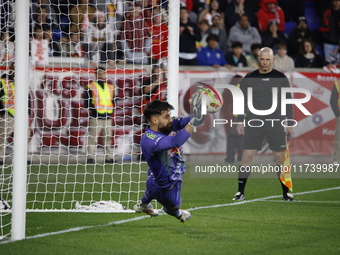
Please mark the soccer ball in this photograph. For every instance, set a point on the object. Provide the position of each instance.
(213, 97)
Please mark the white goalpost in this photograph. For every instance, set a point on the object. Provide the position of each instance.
(173, 59)
(45, 164)
(20, 121)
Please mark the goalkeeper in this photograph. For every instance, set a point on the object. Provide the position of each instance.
(162, 147)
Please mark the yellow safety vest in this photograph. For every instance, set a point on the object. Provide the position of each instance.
(336, 83)
(102, 97)
(8, 98)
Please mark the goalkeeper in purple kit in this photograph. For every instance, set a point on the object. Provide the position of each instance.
(162, 147)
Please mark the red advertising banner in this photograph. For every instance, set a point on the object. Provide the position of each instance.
(59, 118)
(314, 134)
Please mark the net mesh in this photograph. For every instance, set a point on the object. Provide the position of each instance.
(68, 42)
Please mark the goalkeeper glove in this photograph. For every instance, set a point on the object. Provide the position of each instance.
(196, 102)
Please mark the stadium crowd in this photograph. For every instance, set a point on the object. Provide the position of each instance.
(301, 32)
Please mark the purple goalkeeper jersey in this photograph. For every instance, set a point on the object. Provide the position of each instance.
(164, 153)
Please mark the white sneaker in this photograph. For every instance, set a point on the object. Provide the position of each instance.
(146, 208)
(185, 215)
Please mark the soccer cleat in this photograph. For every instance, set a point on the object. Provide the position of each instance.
(90, 161)
(239, 196)
(288, 197)
(185, 215)
(146, 208)
(109, 161)
(4, 205)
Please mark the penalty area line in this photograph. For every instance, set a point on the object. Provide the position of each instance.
(147, 216)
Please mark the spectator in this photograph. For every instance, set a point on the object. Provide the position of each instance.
(282, 61)
(39, 47)
(70, 46)
(113, 10)
(48, 6)
(236, 57)
(54, 49)
(293, 9)
(244, 33)
(300, 33)
(159, 37)
(154, 87)
(330, 28)
(218, 30)
(251, 9)
(321, 7)
(208, 13)
(146, 6)
(62, 10)
(99, 41)
(233, 13)
(270, 11)
(211, 55)
(334, 58)
(199, 5)
(308, 57)
(7, 17)
(189, 34)
(189, 4)
(272, 37)
(80, 17)
(204, 27)
(43, 20)
(252, 57)
(99, 99)
(7, 48)
(135, 36)
(224, 4)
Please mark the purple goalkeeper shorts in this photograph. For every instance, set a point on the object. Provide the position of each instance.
(169, 198)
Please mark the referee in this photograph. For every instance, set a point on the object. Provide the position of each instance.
(263, 81)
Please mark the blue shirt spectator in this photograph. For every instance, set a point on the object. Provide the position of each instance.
(211, 55)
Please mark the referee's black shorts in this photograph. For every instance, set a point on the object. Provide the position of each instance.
(275, 135)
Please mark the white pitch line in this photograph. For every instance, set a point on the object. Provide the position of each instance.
(146, 216)
(303, 201)
(261, 199)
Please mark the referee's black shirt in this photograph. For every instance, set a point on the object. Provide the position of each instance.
(263, 84)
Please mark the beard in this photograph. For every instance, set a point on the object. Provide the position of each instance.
(166, 129)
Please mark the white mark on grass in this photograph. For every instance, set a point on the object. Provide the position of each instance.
(304, 201)
(261, 199)
(192, 209)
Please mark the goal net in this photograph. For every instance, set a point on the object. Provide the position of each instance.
(80, 151)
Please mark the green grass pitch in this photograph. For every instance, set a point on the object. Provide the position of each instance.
(309, 226)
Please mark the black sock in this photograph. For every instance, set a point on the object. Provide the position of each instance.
(285, 190)
(242, 178)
